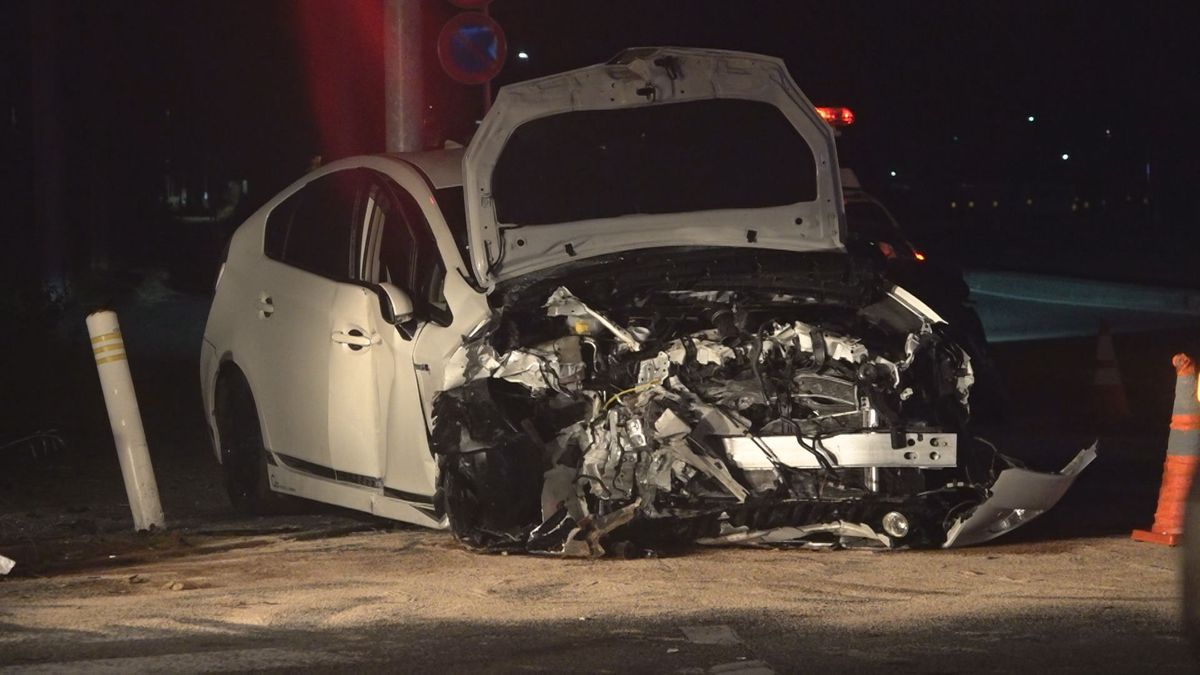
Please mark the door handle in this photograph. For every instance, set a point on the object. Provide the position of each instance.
(355, 339)
(266, 306)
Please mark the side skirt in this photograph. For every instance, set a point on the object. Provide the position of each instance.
(351, 496)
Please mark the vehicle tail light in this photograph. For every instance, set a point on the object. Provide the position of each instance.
(837, 117)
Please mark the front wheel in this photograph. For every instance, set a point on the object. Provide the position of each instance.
(492, 497)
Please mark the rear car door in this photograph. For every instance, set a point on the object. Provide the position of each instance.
(301, 318)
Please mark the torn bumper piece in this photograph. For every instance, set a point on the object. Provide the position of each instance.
(1018, 496)
(844, 535)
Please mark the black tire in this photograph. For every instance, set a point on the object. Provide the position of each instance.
(492, 497)
(243, 457)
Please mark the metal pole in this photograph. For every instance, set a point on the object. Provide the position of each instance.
(404, 74)
(126, 420)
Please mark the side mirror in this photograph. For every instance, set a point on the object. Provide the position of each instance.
(400, 305)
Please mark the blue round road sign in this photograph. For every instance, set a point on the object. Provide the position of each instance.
(471, 48)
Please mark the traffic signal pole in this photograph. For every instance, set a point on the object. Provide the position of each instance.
(439, 57)
(404, 86)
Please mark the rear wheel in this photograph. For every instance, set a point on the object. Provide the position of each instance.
(243, 457)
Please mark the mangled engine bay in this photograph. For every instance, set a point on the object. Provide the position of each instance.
(744, 398)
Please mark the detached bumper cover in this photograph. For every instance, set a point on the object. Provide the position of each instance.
(1017, 497)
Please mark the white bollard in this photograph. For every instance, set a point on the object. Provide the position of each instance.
(126, 420)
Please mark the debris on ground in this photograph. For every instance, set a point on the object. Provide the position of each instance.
(38, 444)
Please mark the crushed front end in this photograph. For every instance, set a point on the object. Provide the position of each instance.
(716, 396)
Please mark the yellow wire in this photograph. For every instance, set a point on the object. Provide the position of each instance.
(645, 385)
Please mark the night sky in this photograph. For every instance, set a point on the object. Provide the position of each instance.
(218, 90)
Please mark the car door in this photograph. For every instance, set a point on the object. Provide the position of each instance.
(399, 249)
(299, 291)
(370, 359)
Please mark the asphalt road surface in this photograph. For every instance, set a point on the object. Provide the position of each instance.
(1069, 593)
(413, 601)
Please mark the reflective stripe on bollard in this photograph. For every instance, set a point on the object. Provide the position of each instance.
(126, 420)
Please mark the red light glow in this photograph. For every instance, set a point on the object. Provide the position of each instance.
(341, 48)
(837, 117)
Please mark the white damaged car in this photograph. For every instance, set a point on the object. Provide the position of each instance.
(623, 314)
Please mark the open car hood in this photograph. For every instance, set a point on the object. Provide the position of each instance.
(658, 147)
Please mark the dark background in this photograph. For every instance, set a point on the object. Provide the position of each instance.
(110, 108)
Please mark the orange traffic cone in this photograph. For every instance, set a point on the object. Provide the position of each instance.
(1183, 455)
(1108, 390)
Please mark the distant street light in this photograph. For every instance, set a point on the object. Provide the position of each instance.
(1065, 156)
(1029, 119)
(893, 173)
(524, 56)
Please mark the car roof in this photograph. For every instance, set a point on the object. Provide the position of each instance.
(443, 167)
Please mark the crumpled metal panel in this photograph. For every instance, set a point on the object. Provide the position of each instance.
(670, 441)
(1017, 497)
(849, 535)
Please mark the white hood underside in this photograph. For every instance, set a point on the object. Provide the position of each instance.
(638, 79)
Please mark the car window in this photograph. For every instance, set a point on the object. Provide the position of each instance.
(313, 229)
(278, 223)
(399, 248)
(454, 210)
